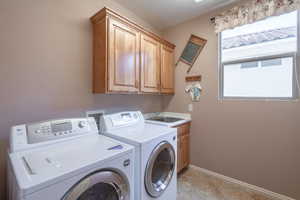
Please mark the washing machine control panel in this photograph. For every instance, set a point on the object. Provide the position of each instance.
(28, 136)
(56, 129)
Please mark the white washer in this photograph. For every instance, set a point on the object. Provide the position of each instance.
(155, 153)
(68, 160)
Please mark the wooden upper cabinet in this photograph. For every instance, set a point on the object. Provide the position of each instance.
(123, 62)
(129, 59)
(167, 70)
(150, 64)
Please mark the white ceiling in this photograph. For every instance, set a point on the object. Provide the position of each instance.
(165, 13)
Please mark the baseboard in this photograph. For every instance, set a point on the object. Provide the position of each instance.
(254, 188)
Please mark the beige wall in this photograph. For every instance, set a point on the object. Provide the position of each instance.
(46, 64)
(254, 141)
(45, 72)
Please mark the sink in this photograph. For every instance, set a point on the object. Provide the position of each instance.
(165, 119)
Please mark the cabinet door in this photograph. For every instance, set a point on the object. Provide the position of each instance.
(150, 64)
(179, 161)
(185, 150)
(167, 70)
(123, 58)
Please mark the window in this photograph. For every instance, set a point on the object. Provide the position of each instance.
(249, 64)
(259, 60)
(271, 62)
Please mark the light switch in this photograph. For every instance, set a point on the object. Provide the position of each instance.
(190, 107)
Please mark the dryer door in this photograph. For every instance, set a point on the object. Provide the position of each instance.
(160, 169)
(102, 185)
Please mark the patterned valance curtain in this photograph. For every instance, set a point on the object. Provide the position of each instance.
(252, 11)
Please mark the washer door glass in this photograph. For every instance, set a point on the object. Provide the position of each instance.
(100, 191)
(103, 185)
(160, 169)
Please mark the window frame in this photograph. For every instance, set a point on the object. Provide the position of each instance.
(295, 82)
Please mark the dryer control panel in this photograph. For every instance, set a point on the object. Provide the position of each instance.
(31, 135)
(122, 119)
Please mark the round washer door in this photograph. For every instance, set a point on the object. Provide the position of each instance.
(160, 169)
(102, 185)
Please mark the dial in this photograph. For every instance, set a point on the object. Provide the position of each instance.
(82, 124)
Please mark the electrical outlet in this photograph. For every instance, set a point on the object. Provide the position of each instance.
(96, 114)
(190, 107)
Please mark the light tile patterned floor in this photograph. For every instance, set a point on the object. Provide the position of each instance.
(193, 184)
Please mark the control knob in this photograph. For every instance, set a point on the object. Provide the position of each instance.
(82, 124)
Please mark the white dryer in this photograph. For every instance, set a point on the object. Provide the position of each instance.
(155, 153)
(68, 160)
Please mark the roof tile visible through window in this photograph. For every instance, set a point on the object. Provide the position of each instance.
(260, 37)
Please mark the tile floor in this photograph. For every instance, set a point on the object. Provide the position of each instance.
(193, 184)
